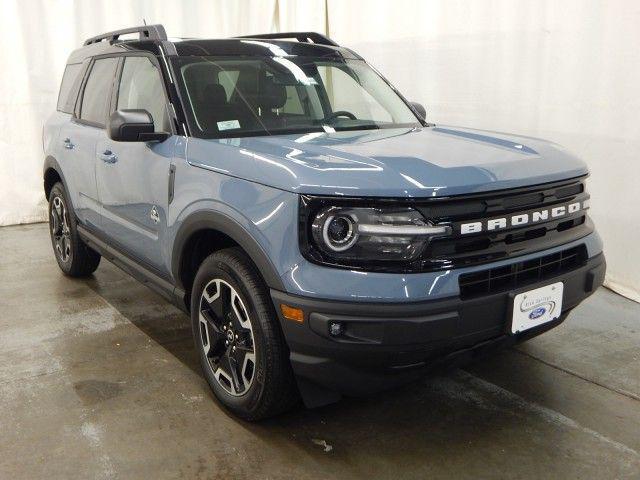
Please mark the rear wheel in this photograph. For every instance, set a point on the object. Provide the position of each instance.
(74, 257)
(242, 351)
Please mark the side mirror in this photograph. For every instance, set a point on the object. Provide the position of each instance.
(133, 126)
(419, 109)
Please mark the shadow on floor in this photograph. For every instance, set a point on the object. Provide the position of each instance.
(147, 311)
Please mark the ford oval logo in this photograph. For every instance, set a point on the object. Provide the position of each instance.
(537, 313)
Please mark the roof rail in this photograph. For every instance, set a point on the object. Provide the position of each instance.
(147, 32)
(306, 37)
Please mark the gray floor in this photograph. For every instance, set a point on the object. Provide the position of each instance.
(98, 379)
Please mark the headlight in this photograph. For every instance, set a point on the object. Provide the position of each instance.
(364, 236)
(335, 230)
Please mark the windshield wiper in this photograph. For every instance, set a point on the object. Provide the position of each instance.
(364, 126)
(270, 132)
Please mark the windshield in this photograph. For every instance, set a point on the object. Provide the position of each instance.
(248, 96)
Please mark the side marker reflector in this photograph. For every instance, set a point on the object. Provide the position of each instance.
(291, 313)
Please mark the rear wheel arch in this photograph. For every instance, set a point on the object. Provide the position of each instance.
(52, 174)
(205, 232)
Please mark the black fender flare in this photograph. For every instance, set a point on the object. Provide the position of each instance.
(215, 220)
(50, 163)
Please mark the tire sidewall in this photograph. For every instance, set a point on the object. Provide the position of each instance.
(59, 191)
(215, 268)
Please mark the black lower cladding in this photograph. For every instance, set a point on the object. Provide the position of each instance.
(383, 345)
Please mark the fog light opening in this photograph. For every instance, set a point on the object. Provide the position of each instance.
(336, 329)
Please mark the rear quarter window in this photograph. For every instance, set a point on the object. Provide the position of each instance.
(69, 88)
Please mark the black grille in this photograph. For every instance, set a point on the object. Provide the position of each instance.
(474, 249)
(522, 273)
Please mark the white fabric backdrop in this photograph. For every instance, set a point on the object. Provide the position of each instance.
(567, 71)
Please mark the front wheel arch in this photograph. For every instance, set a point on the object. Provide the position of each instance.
(228, 233)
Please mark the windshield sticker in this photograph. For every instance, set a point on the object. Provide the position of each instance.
(228, 125)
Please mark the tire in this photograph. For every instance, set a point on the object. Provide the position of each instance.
(74, 257)
(235, 328)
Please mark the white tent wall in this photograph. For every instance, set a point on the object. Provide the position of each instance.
(301, 16)
(565, 71)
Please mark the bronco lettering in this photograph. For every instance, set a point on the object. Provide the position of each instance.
(522, 219)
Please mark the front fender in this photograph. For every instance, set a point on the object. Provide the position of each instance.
(241, 229)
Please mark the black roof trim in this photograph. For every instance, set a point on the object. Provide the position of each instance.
(147, 32)
(153, 39)
(306, 37)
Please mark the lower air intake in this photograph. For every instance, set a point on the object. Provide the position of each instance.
(520, 274)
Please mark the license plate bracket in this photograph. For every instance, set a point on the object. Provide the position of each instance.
(532, 308)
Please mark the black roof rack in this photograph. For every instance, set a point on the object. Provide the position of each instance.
(147, 32)
(306, 37)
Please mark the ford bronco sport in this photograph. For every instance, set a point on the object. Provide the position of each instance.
(324, 238)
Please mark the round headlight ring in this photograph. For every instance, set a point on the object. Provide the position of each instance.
(339, 224)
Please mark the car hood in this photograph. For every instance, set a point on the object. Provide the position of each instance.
(418, 162)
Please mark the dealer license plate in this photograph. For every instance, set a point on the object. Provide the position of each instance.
(535, 307)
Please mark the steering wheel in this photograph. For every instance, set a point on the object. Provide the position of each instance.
(341, 113)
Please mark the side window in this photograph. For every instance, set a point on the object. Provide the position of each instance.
(97, 91)
(141, 88)
(69, 79)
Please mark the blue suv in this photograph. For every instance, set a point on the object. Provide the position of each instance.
(324, 238)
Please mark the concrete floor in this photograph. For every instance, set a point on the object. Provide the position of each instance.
(98, 379)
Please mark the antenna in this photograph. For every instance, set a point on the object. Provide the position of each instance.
(144, 21)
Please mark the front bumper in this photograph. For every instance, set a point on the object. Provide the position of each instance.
(388, 344)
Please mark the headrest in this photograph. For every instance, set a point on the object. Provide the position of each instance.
(214, 94)
(273, 95)
(195, 73)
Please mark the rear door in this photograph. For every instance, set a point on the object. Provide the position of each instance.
(133, 177)
(79, 137)
(65, 152)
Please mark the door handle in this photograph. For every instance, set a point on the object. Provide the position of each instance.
(67, 144)
(108, 157)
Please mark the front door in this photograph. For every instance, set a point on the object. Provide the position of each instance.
(133, 177)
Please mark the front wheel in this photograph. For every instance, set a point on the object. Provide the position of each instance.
(242, 351)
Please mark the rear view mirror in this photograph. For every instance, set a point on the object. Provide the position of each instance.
(133, 126)
(419, 109)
